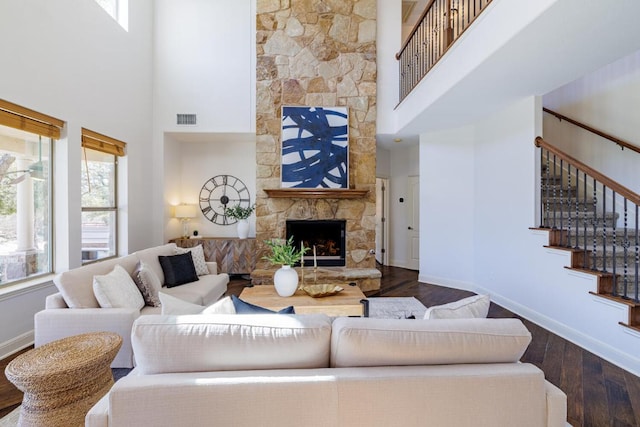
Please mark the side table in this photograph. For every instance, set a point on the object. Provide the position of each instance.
(63, 379)
(233, 255)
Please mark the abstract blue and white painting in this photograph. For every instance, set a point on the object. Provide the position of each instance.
(315, 147)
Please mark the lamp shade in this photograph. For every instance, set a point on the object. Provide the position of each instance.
(185, 211)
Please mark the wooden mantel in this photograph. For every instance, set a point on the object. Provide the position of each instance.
(316, 193)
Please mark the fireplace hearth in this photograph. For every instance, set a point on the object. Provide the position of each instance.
(328, 237)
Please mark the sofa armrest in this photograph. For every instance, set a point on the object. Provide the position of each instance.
(55, 301)
(212, 266)
(54, 324)
(98, 415)
(556, 406)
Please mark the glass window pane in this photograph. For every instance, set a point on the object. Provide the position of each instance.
(98, 179)
(98, 235)
(25, 205)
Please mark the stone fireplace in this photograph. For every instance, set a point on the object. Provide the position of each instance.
(324, 238)
(317, 53)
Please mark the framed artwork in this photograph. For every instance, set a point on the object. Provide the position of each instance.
(315, 147)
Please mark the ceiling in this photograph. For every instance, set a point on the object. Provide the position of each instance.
(547, 52)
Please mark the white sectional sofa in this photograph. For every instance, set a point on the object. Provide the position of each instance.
(75, 309)
(288, 370)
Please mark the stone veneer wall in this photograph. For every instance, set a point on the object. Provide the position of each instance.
(317, 53)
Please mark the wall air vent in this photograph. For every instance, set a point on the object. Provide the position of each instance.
(186, 119)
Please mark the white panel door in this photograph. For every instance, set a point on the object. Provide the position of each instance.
(413, 223)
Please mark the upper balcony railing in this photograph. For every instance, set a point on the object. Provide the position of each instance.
(441, 23)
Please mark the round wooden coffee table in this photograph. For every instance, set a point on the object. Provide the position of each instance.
(63, 379)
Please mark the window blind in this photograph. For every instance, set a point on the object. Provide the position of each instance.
(22, 118)
(106, 144)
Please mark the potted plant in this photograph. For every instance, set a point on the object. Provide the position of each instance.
(240, 214)
(285, 254)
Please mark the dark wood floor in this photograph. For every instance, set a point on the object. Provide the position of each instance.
(598, 392)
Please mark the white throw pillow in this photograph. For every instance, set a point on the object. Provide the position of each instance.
(476, 306)
(176, 306)
(117, 290)
(197, 253)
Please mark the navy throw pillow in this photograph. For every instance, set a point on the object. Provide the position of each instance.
(178, 269)
(243, 307)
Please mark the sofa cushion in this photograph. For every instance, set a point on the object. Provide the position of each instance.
(243, 307)
(150, 257)
(178, 269)
(382, 342)
(176, 306)
(223, 342)
(76, 286)
(148, 283)
(117, 290)
(197, 254)
(466, 308)
(207, 290)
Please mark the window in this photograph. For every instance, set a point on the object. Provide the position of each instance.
(99, 195)
(26, 143)
(118, 9)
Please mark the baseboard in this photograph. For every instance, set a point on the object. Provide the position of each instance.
(604, 351)
(16, 344)
(440, 281)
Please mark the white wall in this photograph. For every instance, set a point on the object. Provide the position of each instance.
(447, 206)
(71, 60)
(193, 163)
(608, 100)
(204, 64)
(388, 42)
(508, 260)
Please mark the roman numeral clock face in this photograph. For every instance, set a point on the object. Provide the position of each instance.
(222, 192)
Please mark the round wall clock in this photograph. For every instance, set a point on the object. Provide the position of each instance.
(222, 192)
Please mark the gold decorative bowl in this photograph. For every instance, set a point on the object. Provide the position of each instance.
(319, 291)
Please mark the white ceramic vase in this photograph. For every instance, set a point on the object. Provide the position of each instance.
(243, 228)
(285, 281)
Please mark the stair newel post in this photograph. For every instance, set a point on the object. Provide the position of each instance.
(594, 221)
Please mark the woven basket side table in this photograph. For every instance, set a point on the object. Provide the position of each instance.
(63, 379)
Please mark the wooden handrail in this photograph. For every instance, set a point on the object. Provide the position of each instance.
(415, 28)
(605, 180)
(620, 142)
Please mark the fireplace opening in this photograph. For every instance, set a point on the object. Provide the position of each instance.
(328, 237)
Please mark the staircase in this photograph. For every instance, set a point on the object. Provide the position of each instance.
(596, 220)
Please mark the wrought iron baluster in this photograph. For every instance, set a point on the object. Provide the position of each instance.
(613, 248)
(569, 205)
(604, 228)
(625, 246)
(561, 202)
(584, 219)
(594, 221)
(576, 195)
(555, 190)
(636, 299)
(548, 190)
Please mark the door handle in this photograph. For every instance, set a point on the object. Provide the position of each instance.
(409, 228)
